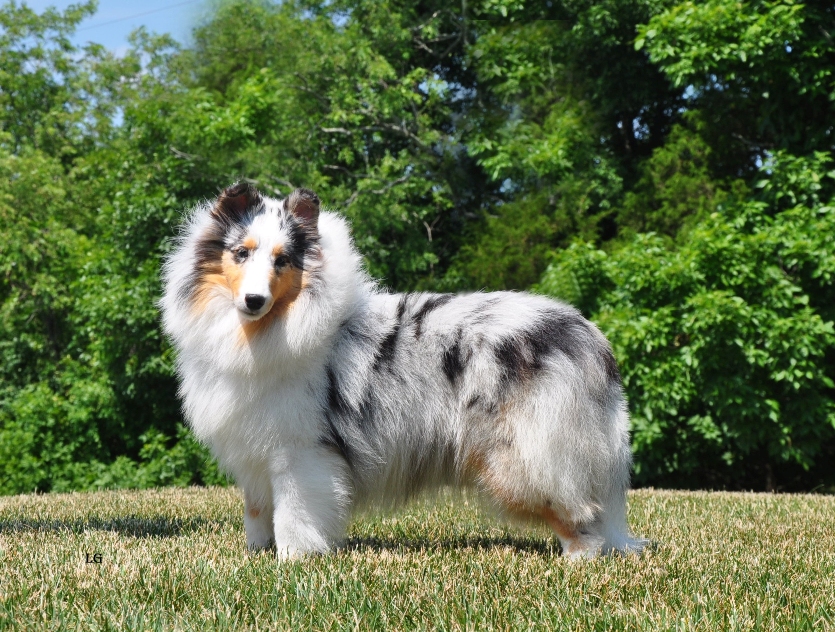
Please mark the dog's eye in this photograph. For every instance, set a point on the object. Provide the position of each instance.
(281, 261)
(240, 254)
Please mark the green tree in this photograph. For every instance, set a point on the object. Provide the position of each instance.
(676, 188)
(363, 112)
(669, 159)
(84, 371)
(725, 341)
(569, 109)
(761, 74)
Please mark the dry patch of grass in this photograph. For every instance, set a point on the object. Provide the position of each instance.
(175, 559)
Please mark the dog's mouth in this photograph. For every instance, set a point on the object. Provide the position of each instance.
(251, 314)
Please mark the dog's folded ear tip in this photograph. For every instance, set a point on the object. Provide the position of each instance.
(241, 187)
(303, 193)
(304, 204)
(237, 198)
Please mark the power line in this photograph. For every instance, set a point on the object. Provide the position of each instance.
(138, 15)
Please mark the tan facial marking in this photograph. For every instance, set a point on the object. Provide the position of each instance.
(285, 287)
(250, 243)
(211, 285)
(233, 272)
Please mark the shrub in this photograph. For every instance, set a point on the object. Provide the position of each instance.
(726, 342)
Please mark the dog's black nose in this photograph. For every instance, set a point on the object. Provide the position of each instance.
(255, 301)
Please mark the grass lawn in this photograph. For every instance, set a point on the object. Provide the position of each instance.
(175, 559)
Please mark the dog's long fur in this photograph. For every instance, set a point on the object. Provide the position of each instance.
(334, 394)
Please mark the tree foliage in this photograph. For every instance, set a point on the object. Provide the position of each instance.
(667, 163)
(760, 72)
(725, 341)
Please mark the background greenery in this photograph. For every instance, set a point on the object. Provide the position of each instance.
(665, 166)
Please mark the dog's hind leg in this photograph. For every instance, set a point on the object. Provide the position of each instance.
(606, 534)
(510, 491)
(577, 541)
(311, 498)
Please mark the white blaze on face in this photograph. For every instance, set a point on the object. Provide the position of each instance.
(255, 284)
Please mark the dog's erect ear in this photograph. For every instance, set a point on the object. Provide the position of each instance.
(235, 200)
(304, 204)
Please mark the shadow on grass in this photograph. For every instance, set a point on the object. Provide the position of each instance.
(159, 526)
(520, 545)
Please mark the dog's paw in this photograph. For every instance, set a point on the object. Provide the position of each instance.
(290, 553)
(255, 547)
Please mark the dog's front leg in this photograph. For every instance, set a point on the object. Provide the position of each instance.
(311, 498)
(258, 515)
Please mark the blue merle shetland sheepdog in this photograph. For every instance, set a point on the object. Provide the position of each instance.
(321, 393)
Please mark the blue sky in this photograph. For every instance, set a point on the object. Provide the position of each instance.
(115, 19)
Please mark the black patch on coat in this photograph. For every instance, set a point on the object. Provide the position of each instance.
(452, 361)
(401, 307)
(303, 240)
(484, 405)
(385, 354)
(364, 416)
(336, 402)
(429, 305)
(334, 440)
(480, 315)
(610, 365)
(521, 355)
(208, 256)
(340, 409)
(337, 407)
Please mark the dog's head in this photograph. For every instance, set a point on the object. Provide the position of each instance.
(255, 249)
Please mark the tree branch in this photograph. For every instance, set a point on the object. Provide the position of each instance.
(323, 100)
(385, 189)
(379, 127)
(391, 184)
(357, 176)
(183, 155)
